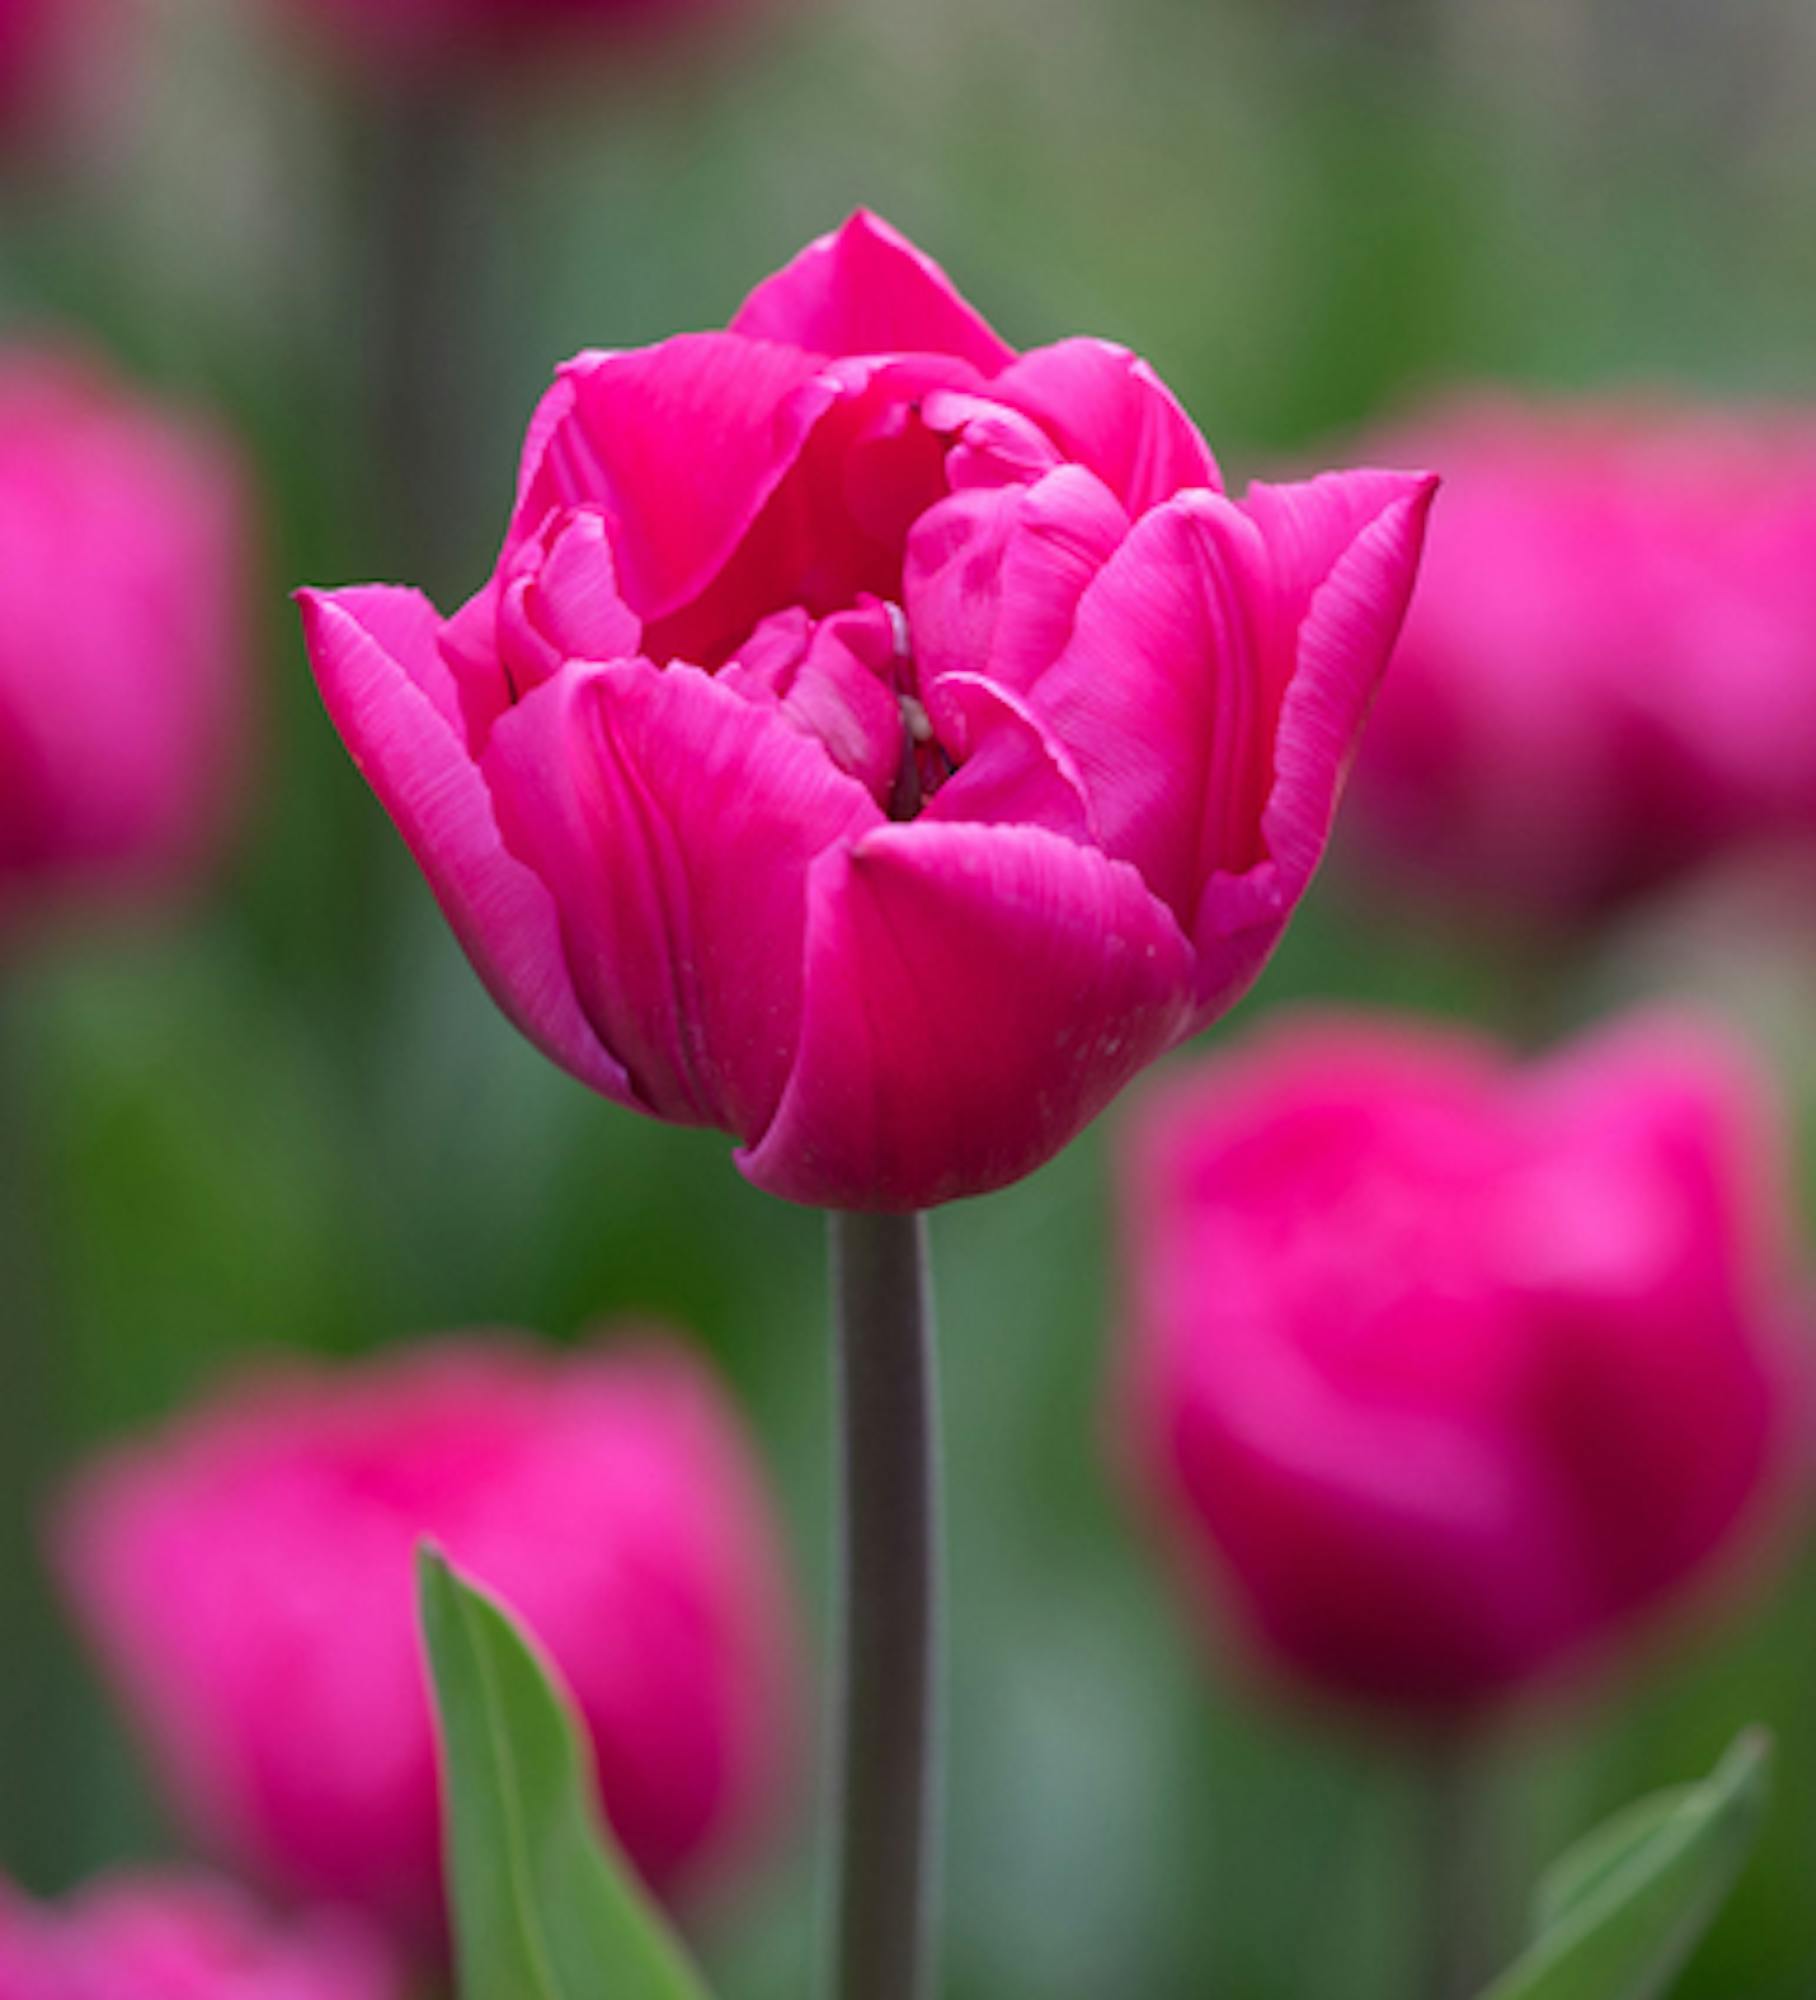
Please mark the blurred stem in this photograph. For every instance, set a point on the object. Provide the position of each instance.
(1457, 1871)
(432, 322)
(887, 1733)
(39, 1823)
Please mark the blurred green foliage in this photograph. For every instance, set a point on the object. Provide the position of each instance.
(292, 1119)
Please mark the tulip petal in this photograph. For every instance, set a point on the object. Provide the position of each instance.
(994, 575)
(679, 446)
(1107, 409)
(396, 706)
(1156, 696)
(676, 822)
(1012, 772)
(865, 289)
(1339, 554)
(974, 996)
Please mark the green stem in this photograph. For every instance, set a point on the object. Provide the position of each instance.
(35, 1746)
(1457, 1870)
(887, 1728)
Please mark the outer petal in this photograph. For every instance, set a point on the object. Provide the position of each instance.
(974, 996)
(679, 445)
(676, 822)
(1341, 553)
(395, 705)
(1219, 671)
(1157, 696)
(865, 289)
(1106, 408)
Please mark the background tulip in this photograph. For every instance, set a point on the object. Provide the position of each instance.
(248, 1581)
(873, 742)
(1448, 1374)
(59, 60)
(1610, 670)
(123, 641)
(183, 1938)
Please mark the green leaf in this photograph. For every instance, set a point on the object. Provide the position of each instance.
(545, 1907)
(1620, 1914)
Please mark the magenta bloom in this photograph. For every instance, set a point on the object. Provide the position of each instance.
(183, 1938)
(1447, 1374)
(59, 61)
(123, 646)
(1610, 672)
(248, 1580)
(875, 743)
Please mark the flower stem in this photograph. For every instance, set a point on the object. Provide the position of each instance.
(432, 335)
(1457, 1871)
(887, 1729)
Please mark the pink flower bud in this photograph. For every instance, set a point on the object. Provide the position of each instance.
(123, 644)
(1610, 670)
(184, 1938)
(248, 1580)
(875, 743)
(1449, 1375)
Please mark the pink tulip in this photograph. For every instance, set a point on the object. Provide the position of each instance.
(1610, 671)
(1450, 1375)
(875, 743)
(178, 1938)
(248, 1581)
(58, 62)
(123, 643)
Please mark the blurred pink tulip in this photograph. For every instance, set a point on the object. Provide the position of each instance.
(875, 743)
(248, 1581)
(1448, 1375)
(59, 63)
(1610, 670)
(183, 1938)
(123, 644)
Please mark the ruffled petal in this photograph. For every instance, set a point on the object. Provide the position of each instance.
(678, 446)
(974, 996)
(675, 823)
(994, 575)
(1327, 577)
(1011, 771)
(834, 528)
(865, 289)
(1106, 408)
(1156, 695)
(1220, 668)
(395, 704)
(834, 682)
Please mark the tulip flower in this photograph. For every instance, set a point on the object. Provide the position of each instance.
(60, 61)
(873, 742)
(123, 644)
(1610, 671)
(247, 1580)
(183, 1938)
(1450, 1376)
